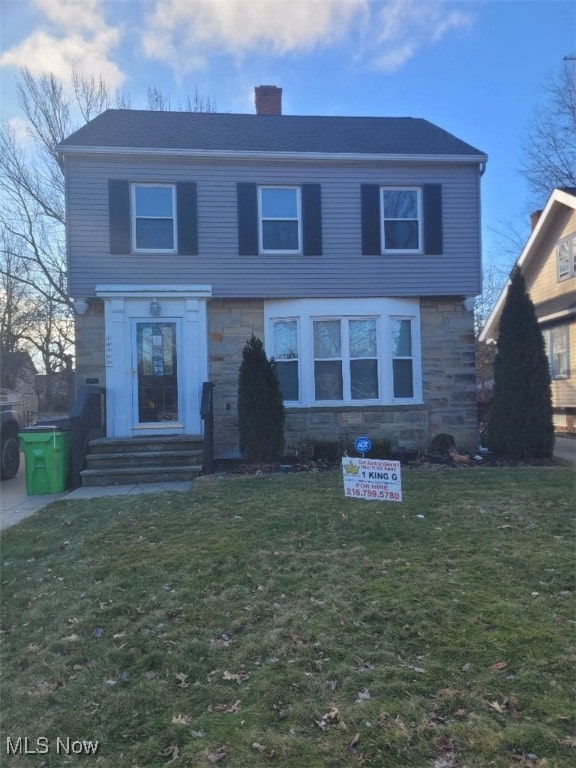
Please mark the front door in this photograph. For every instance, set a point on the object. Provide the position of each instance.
(156, 387)
(156, 357)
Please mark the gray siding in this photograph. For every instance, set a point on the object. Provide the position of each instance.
(341, 271)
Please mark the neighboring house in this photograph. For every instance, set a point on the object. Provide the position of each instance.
(548, 263)
(350, 245)
(17, 372)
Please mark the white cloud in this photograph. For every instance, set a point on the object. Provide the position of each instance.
(186, 32)
(77, 39)
(402, 27)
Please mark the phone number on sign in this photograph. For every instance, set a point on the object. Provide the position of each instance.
(369, 493)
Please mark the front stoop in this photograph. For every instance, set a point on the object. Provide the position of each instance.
(126, 461)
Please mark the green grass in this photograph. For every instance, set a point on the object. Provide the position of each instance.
(270, 621)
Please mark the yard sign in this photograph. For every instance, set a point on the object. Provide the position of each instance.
(372, 479)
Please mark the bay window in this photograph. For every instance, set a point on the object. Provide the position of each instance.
(327, 351)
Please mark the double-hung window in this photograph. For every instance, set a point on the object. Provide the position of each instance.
(566, 258)
(401, 218)
(402, 359)
(286, 353)
(557, 350)
(154, 217)
(345, 359)
(280, 220)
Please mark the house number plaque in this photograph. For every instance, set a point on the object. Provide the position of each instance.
(108, 358)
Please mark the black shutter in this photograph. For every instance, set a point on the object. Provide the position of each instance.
(370, 203)
(247, 219)
(187, 210)
(432, 197)
(119, 216)
(311, 220)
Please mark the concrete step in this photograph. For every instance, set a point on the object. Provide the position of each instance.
(146, 443)
(143, 459)
(139, 475)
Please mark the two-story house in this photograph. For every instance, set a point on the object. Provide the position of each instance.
(350, 245)
(548, 263)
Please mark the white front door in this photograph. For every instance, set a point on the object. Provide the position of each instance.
(156, 357)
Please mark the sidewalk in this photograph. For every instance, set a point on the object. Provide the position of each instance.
(15, 505)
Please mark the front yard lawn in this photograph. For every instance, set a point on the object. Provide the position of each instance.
(270, 621)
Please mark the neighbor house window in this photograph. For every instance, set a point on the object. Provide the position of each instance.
(326, 352)
(280, 220)
(286, 357)
(556, 340)
(154, 217)
(566, 258)
(401, 219)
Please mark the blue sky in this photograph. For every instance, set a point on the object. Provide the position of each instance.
(476, 68)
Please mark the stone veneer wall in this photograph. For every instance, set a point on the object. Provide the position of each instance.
(448, 373)
(230, 324)
(449, 370)
(90, 345)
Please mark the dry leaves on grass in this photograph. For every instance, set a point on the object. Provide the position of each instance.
(330, 719)
(216, 756)
(181, 720)
(181, 677)
(172, 753)
(239, 677)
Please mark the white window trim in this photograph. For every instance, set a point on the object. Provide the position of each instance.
(133, 217)
(305, 311)
(401, 188)
(549, 336)
(261, 219)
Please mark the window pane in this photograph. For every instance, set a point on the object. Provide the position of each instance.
(403, 386)
(363, 338)
(400, 204)
(328, 380)
(560, 355)
(401, 235)
(279, 203)
(155, 234)
(288, 378)
(563, 259)
(285, 340)
(402, 338)
(280, 235)
(364, 379)
(327, 342)
(154, 201)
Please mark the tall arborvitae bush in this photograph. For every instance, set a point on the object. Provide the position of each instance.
(260, 407)
(520, 422)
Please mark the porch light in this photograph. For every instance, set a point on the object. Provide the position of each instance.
(155, 308)
(80, 306)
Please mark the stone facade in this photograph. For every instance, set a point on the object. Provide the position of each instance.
(448, 374)
(449, 370)
(230, 324)
(90, 345)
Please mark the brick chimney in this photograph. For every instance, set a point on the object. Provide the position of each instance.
(268, 100)
(534, 219)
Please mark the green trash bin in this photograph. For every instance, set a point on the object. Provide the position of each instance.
(46, 452)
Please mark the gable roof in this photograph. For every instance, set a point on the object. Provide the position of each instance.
(216, 133)
(562, 197)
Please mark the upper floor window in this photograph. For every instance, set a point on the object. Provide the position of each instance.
(154, 217)
(566, 257)
(401, 219)
(280, 219)
(556, 341)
